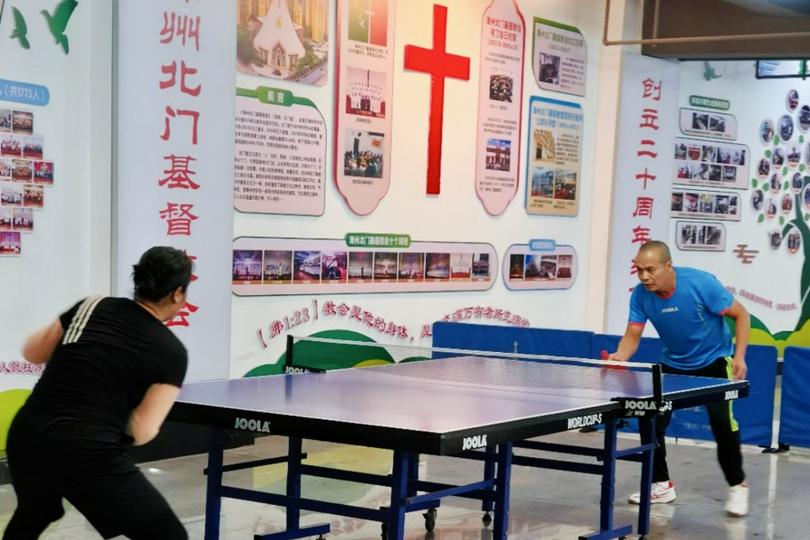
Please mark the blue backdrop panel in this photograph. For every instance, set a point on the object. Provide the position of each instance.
(754, 413)
(795, 415)
(484, 337)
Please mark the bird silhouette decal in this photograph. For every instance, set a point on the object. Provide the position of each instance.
(57, 22)
(709, 73)
(20, 29)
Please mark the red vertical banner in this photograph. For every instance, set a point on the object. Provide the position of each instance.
(500, 95)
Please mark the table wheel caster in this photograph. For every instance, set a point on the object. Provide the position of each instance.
(430, 519)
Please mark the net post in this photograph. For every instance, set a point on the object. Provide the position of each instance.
(658, 392)
(288, 352)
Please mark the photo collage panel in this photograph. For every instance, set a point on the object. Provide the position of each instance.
(527, 269)
(700, 236)
(24, 174)
(293, 266)
(705, 205)
(701, 123)
(711, 164)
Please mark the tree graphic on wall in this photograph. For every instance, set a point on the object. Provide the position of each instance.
(781, 193)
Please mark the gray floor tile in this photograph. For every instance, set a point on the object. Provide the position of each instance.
(545, 504)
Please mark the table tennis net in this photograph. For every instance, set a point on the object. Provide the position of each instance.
(473, 367)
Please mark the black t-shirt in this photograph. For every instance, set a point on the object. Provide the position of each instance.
(113, 350)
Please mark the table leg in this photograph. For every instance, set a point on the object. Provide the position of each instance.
(213, 501)
(294, 446)
(608, 477)
(502, 487)
(646, 429)
(399, 492)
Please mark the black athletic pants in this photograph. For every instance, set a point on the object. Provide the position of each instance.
(724, 427)
(50, 460)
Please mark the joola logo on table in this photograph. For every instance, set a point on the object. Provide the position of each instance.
(261, 426)
(638, 407)
(293, 369)
(732, 394)
(584, 421)
(476, 441)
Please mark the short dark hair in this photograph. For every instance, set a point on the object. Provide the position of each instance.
(160, 271)
(658, 247)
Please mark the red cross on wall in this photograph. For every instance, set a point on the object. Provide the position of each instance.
(440, 64)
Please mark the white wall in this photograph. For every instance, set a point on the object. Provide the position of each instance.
(456, 215)
(67, 255)
(774, 274)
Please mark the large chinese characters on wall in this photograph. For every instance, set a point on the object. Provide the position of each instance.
(174, 159)
(643, 179)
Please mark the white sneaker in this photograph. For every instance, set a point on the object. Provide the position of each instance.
(662, 492)
(737, 504)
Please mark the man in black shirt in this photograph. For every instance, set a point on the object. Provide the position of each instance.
(113, 372)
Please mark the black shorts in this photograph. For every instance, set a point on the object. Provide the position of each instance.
(54, 459)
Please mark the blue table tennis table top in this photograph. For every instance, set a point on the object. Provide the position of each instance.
(432, 406)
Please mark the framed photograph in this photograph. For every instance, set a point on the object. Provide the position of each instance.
(700, 236)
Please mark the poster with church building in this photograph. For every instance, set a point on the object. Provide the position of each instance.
(283, 39)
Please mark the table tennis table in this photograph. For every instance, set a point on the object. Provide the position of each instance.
(473, 407)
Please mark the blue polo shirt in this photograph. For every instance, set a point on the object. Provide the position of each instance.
(689, 321)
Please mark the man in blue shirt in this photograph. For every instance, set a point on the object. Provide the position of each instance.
(686, 306)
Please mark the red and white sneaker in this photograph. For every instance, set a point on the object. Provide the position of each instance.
(662, 492)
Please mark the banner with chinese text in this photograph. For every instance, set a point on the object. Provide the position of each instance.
(363, 101)
(560, 57)
(553, 157)
(648, 121)
(280, 154)
(500, 96)
(174, 159)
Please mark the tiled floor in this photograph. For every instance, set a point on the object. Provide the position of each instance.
(545, 504)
